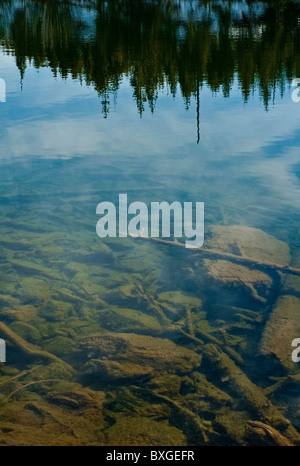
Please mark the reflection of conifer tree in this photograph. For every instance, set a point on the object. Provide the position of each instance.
(153, 45)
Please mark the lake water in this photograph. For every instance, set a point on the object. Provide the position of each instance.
(128, 341)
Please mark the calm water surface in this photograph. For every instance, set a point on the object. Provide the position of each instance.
(123, 341)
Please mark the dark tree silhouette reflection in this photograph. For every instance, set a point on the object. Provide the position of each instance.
(181, 45)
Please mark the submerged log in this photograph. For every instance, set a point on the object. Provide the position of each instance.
(261, 434)
(28, 349)
(189, 422)
(199, 427)
(239, 259)
(251, 395)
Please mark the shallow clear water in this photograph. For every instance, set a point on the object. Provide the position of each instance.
(164, 102)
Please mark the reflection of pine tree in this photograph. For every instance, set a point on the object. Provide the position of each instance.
(153, 45)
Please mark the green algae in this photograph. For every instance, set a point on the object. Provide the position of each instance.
(36, 421)
(178, 298)
(139, 431)
(26, 331)
(25, 313)
(59, 345)
(120, 318)
(233, 426)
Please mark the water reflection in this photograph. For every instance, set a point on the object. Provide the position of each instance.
(158, 44)
(126, 341)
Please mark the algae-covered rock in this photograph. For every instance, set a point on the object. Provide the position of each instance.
(239, 276)
(232, 425)
(291, 283)
(207, 390)
(251, 242)
(244, 262)
(76, 398)
(140, 431)
(225, 271)
(24, 313)
(67, 417)
(168, 384)
(26, 331)
(60, 345)
(103, 255)
(281, 328)
(144, 350)
(125, 319)
(176, 301)
(115, 371)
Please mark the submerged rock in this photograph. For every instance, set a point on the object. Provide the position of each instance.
(77, 398)
(114, 370)
(25, 313)
(254, 282)
(70, 416)
(135, 352)
(281, 328)
(249, 246)
(140, 431)
(26, 331)
(250, 242)
(233, 425)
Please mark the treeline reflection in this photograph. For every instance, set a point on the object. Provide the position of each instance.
(156, 43)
